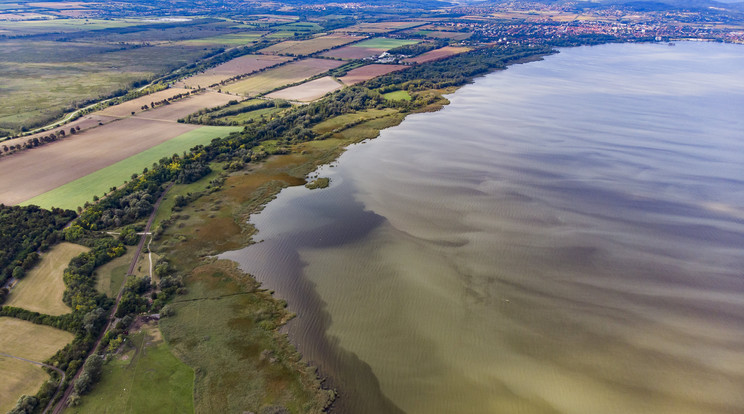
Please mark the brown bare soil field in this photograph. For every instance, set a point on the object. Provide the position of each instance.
(30, 173)
(126, 108)
(288, 74)
(308, 91)
(186, 106)
(437, 54)
(86, 122)
(307, 47)
(368, 72)
(238, 66)
(352, 52)
(381, 27)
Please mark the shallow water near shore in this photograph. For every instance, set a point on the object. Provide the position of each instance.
(567, 236)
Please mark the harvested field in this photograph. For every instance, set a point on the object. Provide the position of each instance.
(308, 91)
(26, 340)
(186, 106)
(352, 53)
(307, 47)
(437, 54)
(284, 75)
(381, 27)
(125, 109)
(368, 72)
(42, 288)
(77, 192)
(238, 66)
(86, 122)
(55, 164)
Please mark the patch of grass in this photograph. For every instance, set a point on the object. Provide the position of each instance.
(397, 96)
(42, 288)
(26, 340)
(111, 275)
(253, 116)
(147, 378)
(322, 182)
(232, 39)
(342, 121)
(385, 43)
(301, 27)
(77, 192)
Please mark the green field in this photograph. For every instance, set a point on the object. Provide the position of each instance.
(341, 121)
(384, 43)
(77, 192)
(145, 379)
(397, 96)
(233, 39)
(301, 27)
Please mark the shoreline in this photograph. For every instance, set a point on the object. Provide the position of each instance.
(281, 171)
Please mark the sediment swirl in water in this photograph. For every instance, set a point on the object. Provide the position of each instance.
(565, 237)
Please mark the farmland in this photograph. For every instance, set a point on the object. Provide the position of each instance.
(50, 73)
(380, 27)
(183, 107)
(368, 72)
(235, 67)
(85, 186)
(367, 48)
(307, 47)
(145, 368)
(284, 75)
(50, 166)
(42, 288)
(437, 54)
(308, 91)
(26, 340)
(125, 109)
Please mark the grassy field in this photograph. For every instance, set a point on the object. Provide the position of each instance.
(41, 77)
(284, 75)
(77, 192)
(384, 43)
(147, 378)
(397, 96)
(307, 47)
(42, 288)
(26, 340)
(232, 39)
(110, 276)
(340, 122)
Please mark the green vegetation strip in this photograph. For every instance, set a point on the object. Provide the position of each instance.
(385, 43)
(76, 193)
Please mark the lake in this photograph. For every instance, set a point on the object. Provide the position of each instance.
(565, 237)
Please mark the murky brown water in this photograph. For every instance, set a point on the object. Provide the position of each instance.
(566, 237)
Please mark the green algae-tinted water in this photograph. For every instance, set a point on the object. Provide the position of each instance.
(567, 236)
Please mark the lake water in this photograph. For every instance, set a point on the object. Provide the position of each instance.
(565, 237)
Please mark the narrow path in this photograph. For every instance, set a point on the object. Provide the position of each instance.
(62, 404)
(62, 373)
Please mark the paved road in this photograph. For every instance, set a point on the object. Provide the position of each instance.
(62, 404)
